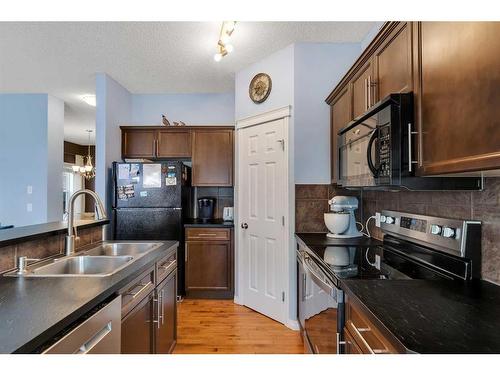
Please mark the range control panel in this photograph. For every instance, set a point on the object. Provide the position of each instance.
(447, 234)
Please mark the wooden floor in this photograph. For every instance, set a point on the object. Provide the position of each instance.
(221, 326)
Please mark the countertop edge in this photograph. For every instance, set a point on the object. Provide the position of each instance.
(43, 233)
(50, 332)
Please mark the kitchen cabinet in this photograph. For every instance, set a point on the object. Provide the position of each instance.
(459, 116)
(212, 157)
(138, 143)
(137, 330)
(363, 336)
(173, 144)
(149, 310)
(166, 332)
(361, 86)
(211, 149)
(452, 69)
(341, 114)
(392, 61)
(209, 263)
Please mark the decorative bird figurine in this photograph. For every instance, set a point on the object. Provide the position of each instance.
(176, 123)
(182, 123)
(165, 121)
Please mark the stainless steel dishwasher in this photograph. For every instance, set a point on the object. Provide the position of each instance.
(98, 334)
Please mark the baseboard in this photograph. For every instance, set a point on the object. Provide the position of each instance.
(238, 300)
(292, 324)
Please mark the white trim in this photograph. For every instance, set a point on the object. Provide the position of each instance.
(272, 115)
(289, 307)
(293, 324)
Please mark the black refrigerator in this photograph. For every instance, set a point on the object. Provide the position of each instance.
(150, 201)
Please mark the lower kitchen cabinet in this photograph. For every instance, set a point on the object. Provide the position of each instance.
(166, 325)
(149, 310)
(209, 263)
(363, 336)
(137, 331)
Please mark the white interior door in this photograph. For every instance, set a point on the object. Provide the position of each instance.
(262, 197)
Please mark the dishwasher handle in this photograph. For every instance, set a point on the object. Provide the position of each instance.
(318, 278)
(98, 337)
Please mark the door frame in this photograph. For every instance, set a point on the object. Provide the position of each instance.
(289, 317)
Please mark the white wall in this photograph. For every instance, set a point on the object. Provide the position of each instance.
(193, 109)
(318, 67)
(31, 154)
(113, 108)
(279, 66)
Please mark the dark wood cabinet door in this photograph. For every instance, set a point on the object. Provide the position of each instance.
(393, 63)
(137, 333)
(212, 157)
(138, 143)
(174, 143)
(360, 94)
(350, 345)
(208, 267)
(459, 117)
(166, 327)
(340, 115)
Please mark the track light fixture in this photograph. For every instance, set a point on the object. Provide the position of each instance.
(223, 45)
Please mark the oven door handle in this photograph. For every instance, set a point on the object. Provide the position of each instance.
(318, 280)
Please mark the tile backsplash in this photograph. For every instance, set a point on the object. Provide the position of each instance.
(44, 247)
(312, 201)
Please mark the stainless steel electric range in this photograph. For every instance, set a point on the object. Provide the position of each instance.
(414, 247)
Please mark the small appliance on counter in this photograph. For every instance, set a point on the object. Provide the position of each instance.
(206, 208)
(341, 221)
(228, 214)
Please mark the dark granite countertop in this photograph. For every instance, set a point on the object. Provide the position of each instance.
(19, 234)
(434, 316)
(216, 223)
(33, 310)
(320, 239)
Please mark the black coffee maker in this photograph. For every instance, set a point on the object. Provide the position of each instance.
(206, 208)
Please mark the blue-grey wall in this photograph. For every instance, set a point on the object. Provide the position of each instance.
(113, 108)
(318, 67)
(31, 154)
(193, 109)
(279, 66)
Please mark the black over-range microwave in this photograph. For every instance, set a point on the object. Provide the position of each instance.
(377, 150)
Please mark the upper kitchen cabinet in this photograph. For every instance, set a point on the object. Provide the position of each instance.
(459, 112)
(341, 114)
(361, 89)
(155, 142)
(138, 143)
(174, 144)
(392, 63)
(212, 157)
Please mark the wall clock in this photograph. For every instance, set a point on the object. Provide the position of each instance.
(260, 88)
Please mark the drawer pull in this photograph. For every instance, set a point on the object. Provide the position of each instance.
(358, 333)
(207, 234)
(144, 287)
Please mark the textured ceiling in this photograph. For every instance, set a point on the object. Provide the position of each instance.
(61, 58)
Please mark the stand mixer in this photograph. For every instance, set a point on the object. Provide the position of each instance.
(341, 221)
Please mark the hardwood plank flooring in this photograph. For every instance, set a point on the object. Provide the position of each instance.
(223, 327)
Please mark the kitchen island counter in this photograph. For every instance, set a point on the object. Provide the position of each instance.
(33, 310)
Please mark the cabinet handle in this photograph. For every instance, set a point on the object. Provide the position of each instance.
(162, 308)
(410, 161)
(366, 93)
(358, 332)
(144, 286)
(157, 147)
(185, 253)
(369, 91)
(207, 234)
(304, 286)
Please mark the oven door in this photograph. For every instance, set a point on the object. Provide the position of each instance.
(357, 154)
(319, 304)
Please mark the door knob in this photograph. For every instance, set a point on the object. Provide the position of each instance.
(244, 225)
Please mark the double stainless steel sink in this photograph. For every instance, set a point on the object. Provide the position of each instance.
(103, 260)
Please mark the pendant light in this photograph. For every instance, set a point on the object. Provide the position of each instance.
(87, 171)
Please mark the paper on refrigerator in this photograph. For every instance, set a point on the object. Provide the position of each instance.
(151, 175)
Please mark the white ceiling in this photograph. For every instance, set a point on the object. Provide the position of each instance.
(61, 58)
